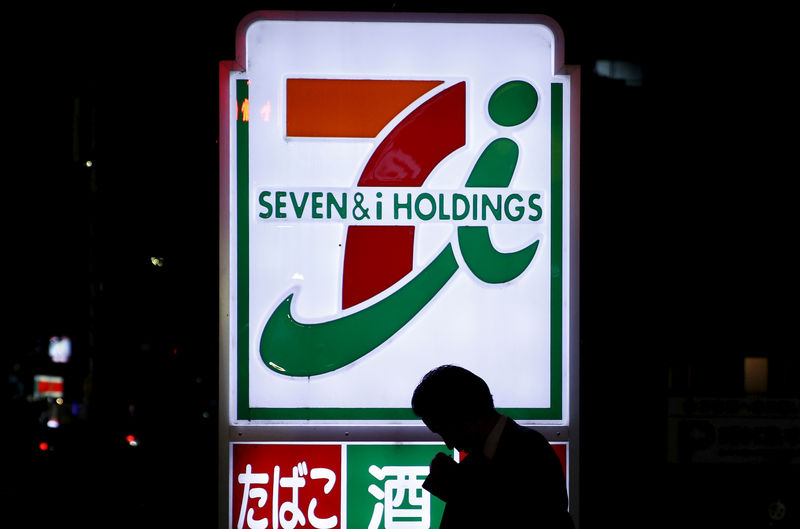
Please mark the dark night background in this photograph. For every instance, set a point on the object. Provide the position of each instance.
(687, 232)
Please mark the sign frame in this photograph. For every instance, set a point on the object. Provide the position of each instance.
(238, 422)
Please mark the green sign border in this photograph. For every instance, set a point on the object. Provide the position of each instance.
(243, 409)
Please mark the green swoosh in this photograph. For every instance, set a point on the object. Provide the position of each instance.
(293, 348)
(488, 264)
(494, 168)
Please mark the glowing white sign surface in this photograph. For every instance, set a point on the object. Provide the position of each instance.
(399, 199)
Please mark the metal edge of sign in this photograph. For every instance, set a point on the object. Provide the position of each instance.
(379, 16)
(573, 435)
(223, 413)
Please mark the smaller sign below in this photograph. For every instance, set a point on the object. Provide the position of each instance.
(331, 485)
(335, 485)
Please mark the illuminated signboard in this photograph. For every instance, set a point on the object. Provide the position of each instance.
(398, 197)
(59, 349)
(47, 386)
(335, 485)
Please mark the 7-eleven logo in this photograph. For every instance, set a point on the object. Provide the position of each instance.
(378, 255)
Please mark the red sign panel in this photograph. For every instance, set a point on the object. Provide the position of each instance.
(286, 486)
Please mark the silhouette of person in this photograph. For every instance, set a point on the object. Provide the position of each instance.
(510, 477)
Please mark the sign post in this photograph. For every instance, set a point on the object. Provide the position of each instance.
(398, 192)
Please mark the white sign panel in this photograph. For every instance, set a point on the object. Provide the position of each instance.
(399, 199)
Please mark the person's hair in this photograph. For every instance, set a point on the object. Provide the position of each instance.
(452, 392)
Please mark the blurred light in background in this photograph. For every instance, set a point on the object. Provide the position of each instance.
(60, 349)
(629, 72)
(755, 374)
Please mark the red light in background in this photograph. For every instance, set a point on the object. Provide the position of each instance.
(130, 438)
(43, 446)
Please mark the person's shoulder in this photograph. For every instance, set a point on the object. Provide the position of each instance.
(524, 431)
(522, 437)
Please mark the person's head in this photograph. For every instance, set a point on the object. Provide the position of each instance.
(455, 404)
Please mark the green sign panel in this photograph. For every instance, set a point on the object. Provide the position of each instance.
(384, 488)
